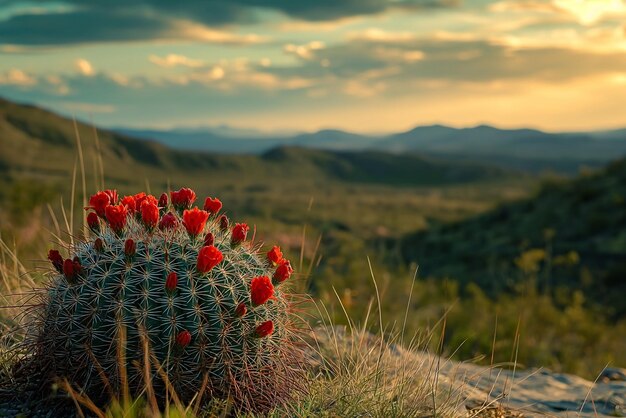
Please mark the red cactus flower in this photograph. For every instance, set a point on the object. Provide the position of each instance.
(275, 256)
(98, 244)
(283, 272)
(130, 247)
(71, 269)
(116, 215)
(194, 221)
(163, 200)
(183, 198)
(224, 222)
(241, 310)
(209, 257)
(130, 203)
(99, 202)
(171, 282)
(183, 338)
(57, 261)
(239, 234)
(209, 239)
(149, 214)
(265, 329)
(112, 196)
(261, 290)
(212, 206)
(93, 221)
(168, 221)
(142, 197)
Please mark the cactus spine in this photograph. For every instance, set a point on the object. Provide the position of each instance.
(174, 280)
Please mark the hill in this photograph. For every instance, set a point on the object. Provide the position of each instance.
(572, 235)
(523, 149)
(39, 150)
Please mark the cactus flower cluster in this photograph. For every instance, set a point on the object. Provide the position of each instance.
(179, 283)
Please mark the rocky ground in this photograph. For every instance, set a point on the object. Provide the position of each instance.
(542, 393)
(496, 392)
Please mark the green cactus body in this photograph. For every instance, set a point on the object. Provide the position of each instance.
(117, 295)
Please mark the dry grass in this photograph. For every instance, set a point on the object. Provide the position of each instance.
(350, 372)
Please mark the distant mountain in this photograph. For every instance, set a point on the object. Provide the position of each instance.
(334, 140)
(613, 134)
(206, 140)
(250, 142)
(525, 149)
(36, 144)
(578, 229)
(529, 144)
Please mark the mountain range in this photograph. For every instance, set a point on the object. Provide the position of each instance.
(36, 144)
(526, 149)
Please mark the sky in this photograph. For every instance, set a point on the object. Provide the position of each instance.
(360, 65)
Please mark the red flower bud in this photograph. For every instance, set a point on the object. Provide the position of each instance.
(68, 268)
(283, 272)
(275, 256)
(99, 202)
(149, 214)
(93, 221)
(265, 329)
(171, 282)
(183, 198)
(241, 310)
(209, 239)
(183, 338)
(116, 215)
(212, 205)
(71, 269)
(57, 261)
(130, 247)
(168, 221)
(163, 200)
(224, 222)
(129, 202)
(194, 221)
(208, 257)
(98, 245)
(261, 290)
(239, 234)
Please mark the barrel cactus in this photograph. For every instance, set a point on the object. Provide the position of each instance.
(157, 279)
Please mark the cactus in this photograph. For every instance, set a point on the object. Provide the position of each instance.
(179, 284)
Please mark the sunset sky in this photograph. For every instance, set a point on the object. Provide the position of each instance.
(360, 65)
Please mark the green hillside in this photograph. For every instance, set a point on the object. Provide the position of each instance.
(40, 152)
(37, 143)
(572, 235)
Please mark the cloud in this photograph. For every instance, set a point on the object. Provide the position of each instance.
(306, 51)
(585, 12)
(174, 60)
(84, 21)
(478, 61)
(108, 25)
(80, 27)
(84, 67)
(376, 34)
(16, 77)
(87, 107)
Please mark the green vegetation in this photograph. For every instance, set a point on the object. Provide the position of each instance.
(570, 237)
(336, 210)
